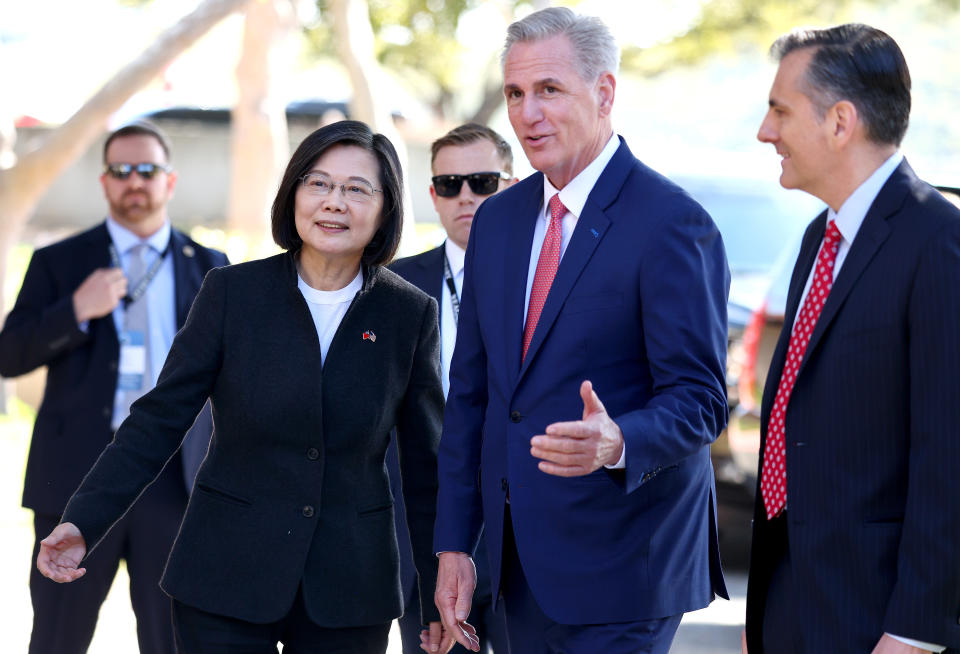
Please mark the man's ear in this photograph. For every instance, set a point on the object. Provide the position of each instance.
(606, 89)
(842, 121)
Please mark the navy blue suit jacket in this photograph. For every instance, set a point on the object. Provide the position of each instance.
(73, 422)
(871, 428)
(638, 307)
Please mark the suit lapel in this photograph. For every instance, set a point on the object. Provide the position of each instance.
(805, 261)
(873, 232)
(99, 257)
(432, 275)
(588, 233)
(186, 278)
(516, 264)
(586, 237)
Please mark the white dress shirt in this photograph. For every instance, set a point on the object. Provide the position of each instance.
(161, 300)
(849, 219)
(574, 198)
(851, 215)
(448, 325)
(328, 309)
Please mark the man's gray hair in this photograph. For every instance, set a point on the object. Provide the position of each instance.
(594, 47)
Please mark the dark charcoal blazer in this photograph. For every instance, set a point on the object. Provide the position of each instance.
(872, 435)
(73, 422)
(425, 271)
(294, 489)
(638, 307)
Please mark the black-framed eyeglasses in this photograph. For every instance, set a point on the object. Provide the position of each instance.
(354, 190)
(145, 170)
(448, 186)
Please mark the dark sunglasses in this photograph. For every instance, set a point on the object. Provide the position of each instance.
(145, 170)
(448, 186)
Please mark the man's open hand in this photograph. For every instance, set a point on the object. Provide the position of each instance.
(573, 449)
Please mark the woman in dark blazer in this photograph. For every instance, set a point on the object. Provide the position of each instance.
(310, 358)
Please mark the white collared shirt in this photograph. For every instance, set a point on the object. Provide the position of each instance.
(160, 295)
(448, 326)
(574, 197)
(851, 215)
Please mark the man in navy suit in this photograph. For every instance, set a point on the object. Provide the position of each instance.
(469, 163)
(73, 315)
(856, 530)
(594, 278)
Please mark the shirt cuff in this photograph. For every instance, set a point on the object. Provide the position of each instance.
(919, 643)
(622, 461)
(84, 326)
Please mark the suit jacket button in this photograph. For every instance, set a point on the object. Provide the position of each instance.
(515, 416)
(107, 412)
(113, 366)
(313, 454)
(503, 484)
(307, 511)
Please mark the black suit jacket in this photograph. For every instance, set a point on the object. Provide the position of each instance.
(872, 447)
(73, 422)
(425, 271)
(294, 489)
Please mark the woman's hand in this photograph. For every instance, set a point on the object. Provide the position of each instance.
(61, 553)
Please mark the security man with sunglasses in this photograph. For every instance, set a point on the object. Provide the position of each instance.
(469, 163)
(100, 310)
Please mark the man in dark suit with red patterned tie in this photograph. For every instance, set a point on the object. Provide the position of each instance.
(857, 524)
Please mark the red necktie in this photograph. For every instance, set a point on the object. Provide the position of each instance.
(773, 479)
(547, 266)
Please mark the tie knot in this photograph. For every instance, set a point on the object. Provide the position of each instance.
(556, 207)
(833, 234)
(140, 250)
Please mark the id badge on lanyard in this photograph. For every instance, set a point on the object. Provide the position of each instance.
(133, 360)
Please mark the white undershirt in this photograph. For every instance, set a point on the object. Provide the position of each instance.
(328, 308)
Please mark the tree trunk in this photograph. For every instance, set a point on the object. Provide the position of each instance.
(23, 184)
(355, 47)
(260, 144)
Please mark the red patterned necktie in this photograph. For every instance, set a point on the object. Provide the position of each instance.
(547, 266)
(773, 479)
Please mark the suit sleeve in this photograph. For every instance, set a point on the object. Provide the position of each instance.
(459, 512)
(925, 603)
(418, 434)
(157, 421)
(683, 290)
(42, 325)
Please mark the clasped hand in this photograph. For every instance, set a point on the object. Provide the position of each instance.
(576, 448)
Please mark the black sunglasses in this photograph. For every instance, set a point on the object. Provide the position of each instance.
(448, 186)
(145, 170)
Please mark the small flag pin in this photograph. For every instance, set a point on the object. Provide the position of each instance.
(369, 336)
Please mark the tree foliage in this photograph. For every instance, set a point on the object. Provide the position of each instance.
(731, 26)
(416, 39)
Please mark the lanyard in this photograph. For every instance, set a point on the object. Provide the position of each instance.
(141, 286)
(452, 287)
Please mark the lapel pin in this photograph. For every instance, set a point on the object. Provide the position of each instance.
(188, 251)
(369, 336)
(595, 233)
